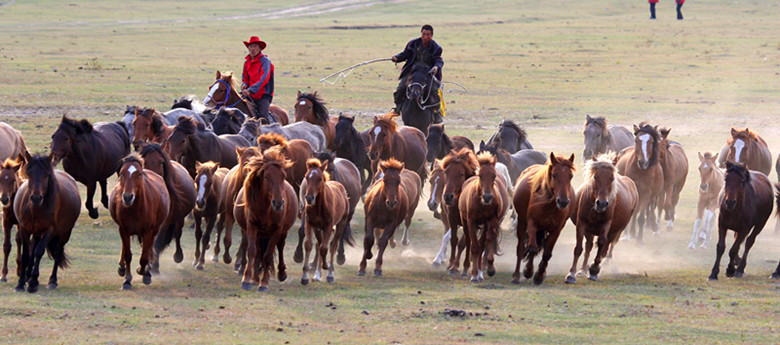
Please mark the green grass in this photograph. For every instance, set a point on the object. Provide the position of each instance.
(543, 64)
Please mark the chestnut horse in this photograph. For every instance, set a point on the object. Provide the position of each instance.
(746, 203)
(47, 206)
(458, 167)
(483, 204)
(231, 186)
(90, 154)
(389, 202)
(602, 138)
(640, 164)
(674, 163)
(266, 209)
(224, 92)
(542, 200)
(190, 142)
(602, 208)
(747, 147)
(139, 204)
(11, 143)
(712, 180)
(405, 144)
(149, 125)
(439, 144)
(10, 180)
(311, 108)
(181, 191)
(208, 182)
(326, 207)
(297, 151)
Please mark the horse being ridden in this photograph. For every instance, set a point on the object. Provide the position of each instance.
(225, 89)
(602, 208)
(139, 204)
(47, 206)
(712, 180)
(674, 163)
(421, 99)
(90, 154)
(542, 199)
(745, 205)
(746, 147)
(311, 108)
(208, 182)
(10, 180)
(602, 138)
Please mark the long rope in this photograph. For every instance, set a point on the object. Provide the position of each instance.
(341, 73)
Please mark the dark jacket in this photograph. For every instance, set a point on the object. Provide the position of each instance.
(258, 75)
(410, 55)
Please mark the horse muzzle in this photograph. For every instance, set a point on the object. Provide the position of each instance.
(601, 205)
(5, 200)
(391, 204)
(36, 200)
(309, 199)
(449, 199)
(642, 164)
(487, 199)
(277, 205)
(200, 204)
(731, 204)
(128, 199)
(562, 203)
(704, 187)
(432, 204)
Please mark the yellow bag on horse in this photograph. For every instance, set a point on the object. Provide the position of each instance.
(442, 107)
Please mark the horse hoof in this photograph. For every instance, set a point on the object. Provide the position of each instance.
(215, 259)
(405, 242)
(3, 279)
(593, 277)
(199, 267)
(713, 278)
(247, 286)
(491, 272)
(147, 279)
(226, 258)
(516, 281)
(378, 273)
(178, 257)
(304, 282)
(32, 288)
(454, 272)
(570, 279)
(775, 275)
(464, 274)
(282, 276)
(341, 259)
(19, 288)
(738, 274)
(262, 289)
(127, 286)
(691, 246)
(538, 280)
(528, 273)
(730, 272)
(435, 265)
(52, 286)
(475, 280)
(329, 279)
(93, 213)
(361, 273)
(298, 256)
(121, 271)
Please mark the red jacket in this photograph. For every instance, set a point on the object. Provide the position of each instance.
(258, 75)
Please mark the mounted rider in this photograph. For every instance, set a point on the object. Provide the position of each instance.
(426, 51)
(257, 79)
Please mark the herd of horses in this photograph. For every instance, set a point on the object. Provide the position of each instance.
(223, 165)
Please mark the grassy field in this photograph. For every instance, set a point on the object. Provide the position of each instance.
(543, 64)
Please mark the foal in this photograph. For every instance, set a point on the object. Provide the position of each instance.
(10, 180)
(208, 183)
(711, 183)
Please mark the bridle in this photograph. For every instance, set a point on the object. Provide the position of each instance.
(421, 102)
(227, 95)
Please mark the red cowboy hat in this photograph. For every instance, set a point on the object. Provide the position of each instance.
(255, 39)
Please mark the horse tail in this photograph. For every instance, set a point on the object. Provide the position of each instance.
(57, 254)
(126, 137)
(163, 238)
(346, 236)
(777, 196)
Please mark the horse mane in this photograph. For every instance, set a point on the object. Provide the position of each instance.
(707, 155)
(228, 77)
(37, 162)
(206, 166)
(540, 181)
(167, 168)
(272, 139)
(315, 163)
(644, 126)
(387, 121)
(257, 166)
(602, 161)
(439, 130)
(512, 125)
(318, 106)
(77, 127)
(391, 164)
(188, 125)
(131, 158)
(155, 116)
(738, 168)
(10, 164)
(745, 133)
(486, 158)
(600, 122)
(465, 157)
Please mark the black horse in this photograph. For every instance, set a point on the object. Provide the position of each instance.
(421, 99)
(511, 137)
(228, 121)
(351, 146)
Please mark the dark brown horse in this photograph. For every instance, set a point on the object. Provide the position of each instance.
(542, 199)
(672, 158)
(746, 203)
(712, 180)
(602, 138)
(350, 146)
(181, 191)
(510, 137)
(90, 154)
(640, 164)
(297, 151)
(483, 204)
(311, 108)
(440, 144)
(601, 208)
(265, 209)
(149, 125)
(47, 206)
(11, 143)
(190, 142)
(139, 204)
(326, 211)
(208, 182)
(405, 144)
(747, 147)
(458, 167)
(228, 121)
(224, 93)
(389, 202)
(10, 180)
(234, 181)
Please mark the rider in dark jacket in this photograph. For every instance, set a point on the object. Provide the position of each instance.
(420, 50)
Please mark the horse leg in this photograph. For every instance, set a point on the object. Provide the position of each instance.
(734, 254)
(281, 271)
(198, 237)
(307, 245)
(548, 249)
(103, 193)
(220, 226)
(454, 255)
(572, 277)
(298, 255)
(748, 244)
(776, 274)
(472, 232)
(341, 258)
(603, 247)
(719, 249)
(335, 242)
(204, 241)
(464, 247)
(442, 254)
(696, 233)
(241, 254)
(709, 224)
(491, 237)
(125, 258)
(251, 238)
(228, 239)
(521, 239)
(93, 213)
(640, 219)
(23, 262)
(383, 241)
(631, 233)
(588, 248)
(268, 259)
(7, 225)
(322, 247)
(368, 242)
(146, 253)
(39, 249)
(178, 255)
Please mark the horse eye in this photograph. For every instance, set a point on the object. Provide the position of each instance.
(554, 175)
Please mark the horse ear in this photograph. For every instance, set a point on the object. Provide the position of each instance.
(571, 159)
(197, 165)
(376, 118)
(701, 158)
(734, 132)
(636, 129)
(314, 94)
(299, 93)
(219, 75)
(481, 145)
(552, 157)
(593, 158)
(588, 118)
(715, 157)
(240, 150)
(403, 165)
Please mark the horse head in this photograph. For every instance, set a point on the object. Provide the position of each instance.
(147, 124)
(268, 171)
(458, 167)
(131, 178)
(436, 180)
(737, 179)
(646, 140)
(596, 135)
(600, 175)
(435, 142)
(739, 145)
(178, 144)
(487, 177)
(559, 174)
(391, 179)
(311, 108)
(40, 178)
(418, 83)
(344, 128)
(708, 164)
(249, 129)
(316, 176)
(204, 182)
(9, 180)
(66, 137)
(380, 135)
(228, 121)
(221, 90)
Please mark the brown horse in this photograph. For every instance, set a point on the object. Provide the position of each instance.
(602, 208)
(208, 182)
(542, 199)
(224, 93)
(47, 206)
(181, 191)
(405, 144)
(458, 167)
(297, 151)
(149, 125)
(11, 143)
(712, 180)
(389, 202)
(640, 164)
(745, 205)
(483, 204)
(439, 144)
(311, 108)
(90, 153)
(234, 181)
(326, 207)
(139, 204)
(265, 209)
(190, 142)
(747, 147)
(10, 180)
(674, 163)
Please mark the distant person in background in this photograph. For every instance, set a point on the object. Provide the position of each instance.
(257, 79)
(679, 6)
(652, 8)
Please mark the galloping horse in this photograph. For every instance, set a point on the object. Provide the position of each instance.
(297, 151)
(483, 204)
(298, 130)
(440, 144)
(149, 125)
(389, 202)
(190, 142)
(510, 137)
(747, 147)
(90, 154)
(139, 204)
(265, 209)
(228, 121)
(602, 138)
(745, 205)
(250, 129)
(672, 158)
(405, 144)
(542, 199)
(417, 107)
(170, 117)
(350, 146)
(225, 89)
(46, 206)
(712, 180)
(516, 162)
(11, 143)
(234, 181)
(326, 207)
(458, 167)
(311, 108)
(181, 191)
(640, 164)
(10, 180)
(208, 182)
(602, 207)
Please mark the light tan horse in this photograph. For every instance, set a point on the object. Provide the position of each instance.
(712, 180)
(11, 143)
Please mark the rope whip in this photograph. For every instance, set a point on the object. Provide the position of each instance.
(341, 73)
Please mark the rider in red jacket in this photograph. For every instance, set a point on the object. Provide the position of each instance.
(258, 78)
